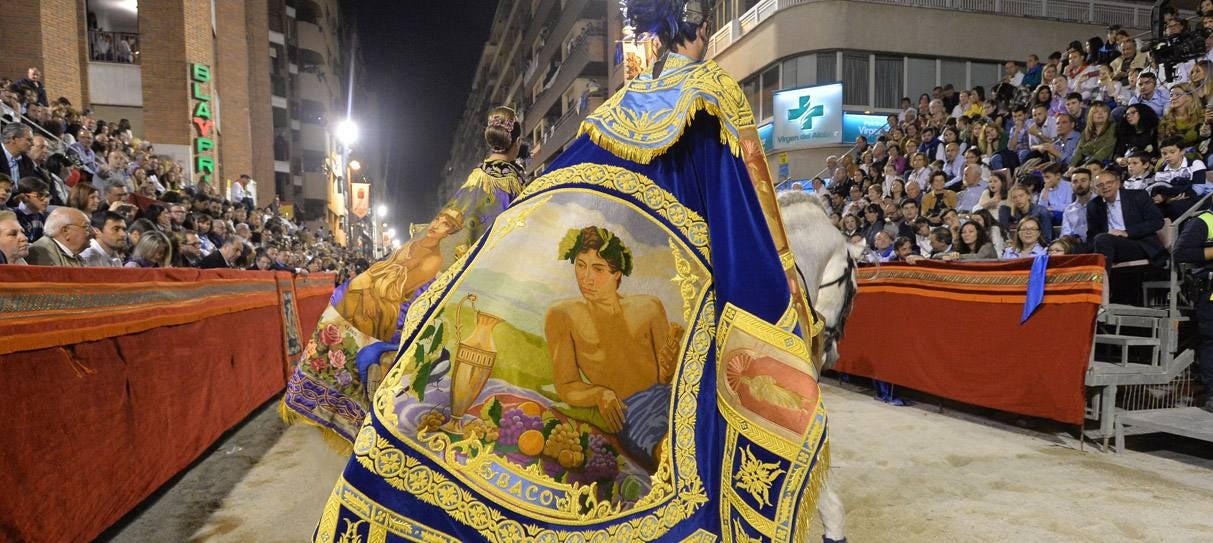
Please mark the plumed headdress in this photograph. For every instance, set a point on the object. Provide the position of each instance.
(672, 21)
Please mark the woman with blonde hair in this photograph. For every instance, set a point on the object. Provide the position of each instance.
(1185, 117)
(153, 250)
(1098, 138)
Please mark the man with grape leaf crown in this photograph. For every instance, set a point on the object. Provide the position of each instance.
(623, 345)
(676, 152)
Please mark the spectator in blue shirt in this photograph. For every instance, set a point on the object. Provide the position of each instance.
(1061, 148)
(1056, 193)
(1150, 94)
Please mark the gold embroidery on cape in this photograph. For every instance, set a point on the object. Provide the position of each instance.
(479, 178)
(700, 536)
(506, 227)
(677, 491)
(382, 519)
(641, 136)
(756, 477)
(686, 280)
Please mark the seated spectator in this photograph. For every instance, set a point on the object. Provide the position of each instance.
(14, 246)
(6, 191)
(137, 229)
(940, 243)
(110, 242)
(225, 256)
(882, 248)
(1074, 216)
(1149, 94)
(850, 226)
(914, 192)
(1123, 225)
(84, 197)
(154, 250)
(1110, 90)
(33, 198)
(953, 162)
(922, 236)
(903, 247)
(973, 244)
(1056, 193)
(939, 199)
(1185, 118)
(1098, 138)
(1027, 240)
(1077, 108)
(991, 227)
(189, 252)
(1137, 131)
(262, 261)
(1140, 167)
(1061, 148)
(972, 188)
(67, 234)
(1022, 206)
(1178, 181)
(995, 195)
(873, 218)
(1063, 246)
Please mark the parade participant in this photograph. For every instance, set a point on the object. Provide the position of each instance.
(340, 367)
(1195, 246)
(525, 404)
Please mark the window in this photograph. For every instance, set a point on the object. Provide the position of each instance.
(827, 67)
(800, 71)
(770, 84)
(986, 75)
(855, 79)
(953, 71)
(920, 79)
(889, 82)
(750, 88)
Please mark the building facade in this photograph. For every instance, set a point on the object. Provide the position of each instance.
(550, 60)
(228, 88)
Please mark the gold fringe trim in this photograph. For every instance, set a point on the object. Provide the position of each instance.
(645, 155)
(335, 441)
(808, 504)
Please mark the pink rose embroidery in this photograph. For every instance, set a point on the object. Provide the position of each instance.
(337, 358)
(331, 335)
(317, 363)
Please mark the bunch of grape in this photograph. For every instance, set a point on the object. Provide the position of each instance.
(564, 445)
(603, 463)
(432, 420)
(513, 423)
(481, 429)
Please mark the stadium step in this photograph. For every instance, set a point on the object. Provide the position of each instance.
(1192, 422)
(1126, 341)
(1112, 373)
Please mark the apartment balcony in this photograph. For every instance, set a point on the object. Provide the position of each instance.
(315, 186)
(311, 87)
(312, 138)
(572, 12)
(564, 131)
(311, 36)
(587, 59)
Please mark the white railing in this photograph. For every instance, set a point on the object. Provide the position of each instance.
(1099, 12)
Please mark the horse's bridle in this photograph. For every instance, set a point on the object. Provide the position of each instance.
(834, 331)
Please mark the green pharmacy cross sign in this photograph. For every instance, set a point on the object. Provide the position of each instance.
(805, 114)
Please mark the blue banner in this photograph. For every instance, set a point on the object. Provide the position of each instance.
(861, 124)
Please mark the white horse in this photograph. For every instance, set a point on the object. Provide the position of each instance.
(827, 268)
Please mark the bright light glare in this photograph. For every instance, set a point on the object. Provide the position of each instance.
(355, 165)
(391, 233)
(347, 132)
(381, 211)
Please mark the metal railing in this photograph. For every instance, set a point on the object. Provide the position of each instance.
(120, 47)
(851, 150)
(1098, 12)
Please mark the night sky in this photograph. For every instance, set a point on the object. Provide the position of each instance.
(419, 56)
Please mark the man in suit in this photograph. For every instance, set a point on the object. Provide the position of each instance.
(16, 140)
(226, 256)
(1123, 225)
(67, 233)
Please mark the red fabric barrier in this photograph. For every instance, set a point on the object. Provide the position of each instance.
(953, 330)
(91, 428)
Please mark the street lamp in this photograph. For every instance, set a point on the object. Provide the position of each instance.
(347, 132)
(355, 165)
(391, 233)
(381, 211)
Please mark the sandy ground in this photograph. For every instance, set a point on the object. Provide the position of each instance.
(905, 474)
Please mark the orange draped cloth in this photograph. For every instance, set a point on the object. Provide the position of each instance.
(115, 380)
(953, 330)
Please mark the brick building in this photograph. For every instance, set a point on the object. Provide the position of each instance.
(228, 88)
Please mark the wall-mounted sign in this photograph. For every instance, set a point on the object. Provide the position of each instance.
(808, 117)
(766, 133)
(204, 142)
(862, 124)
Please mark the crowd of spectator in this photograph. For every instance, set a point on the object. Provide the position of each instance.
(1091, 150)
(79, 191)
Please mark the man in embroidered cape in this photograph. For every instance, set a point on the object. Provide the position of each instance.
(486, 427)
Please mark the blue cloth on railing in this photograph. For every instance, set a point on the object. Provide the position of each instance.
(1036, 287)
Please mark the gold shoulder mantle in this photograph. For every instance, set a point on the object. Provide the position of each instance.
(648, 115)
(496, 174)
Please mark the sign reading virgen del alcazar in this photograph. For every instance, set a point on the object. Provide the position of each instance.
(203, 144)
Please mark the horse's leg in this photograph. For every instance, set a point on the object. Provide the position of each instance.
(833, 515)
